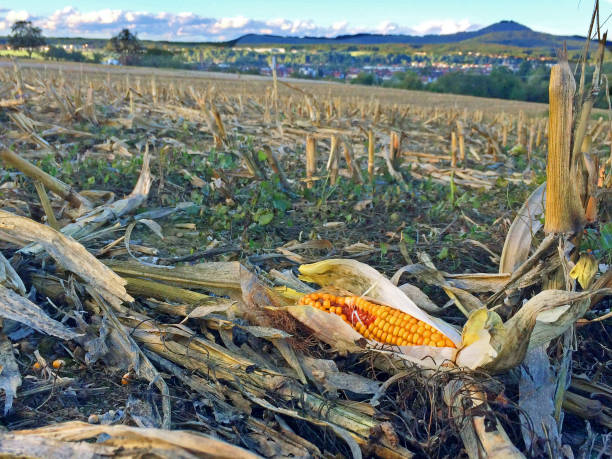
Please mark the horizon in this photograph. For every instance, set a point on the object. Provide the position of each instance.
(225, 21)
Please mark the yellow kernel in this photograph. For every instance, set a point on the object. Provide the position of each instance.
(36, 366)
(396, 329)
(386, 327)
(57, 364)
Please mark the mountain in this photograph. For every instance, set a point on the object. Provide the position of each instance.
(505, 33)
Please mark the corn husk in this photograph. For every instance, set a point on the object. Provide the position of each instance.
(498, 347)
(350, 277)
(361, 279)
(485, 342)
(520, 235)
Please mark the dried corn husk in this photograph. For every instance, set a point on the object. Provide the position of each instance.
(485, 341)
(361, 279)
(501, 347)
(354, 278)
(520, 235)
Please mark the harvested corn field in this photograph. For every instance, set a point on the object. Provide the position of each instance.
(267, 268)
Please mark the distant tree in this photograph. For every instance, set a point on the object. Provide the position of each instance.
(25, 36)
(57, 53)
(405, 80)
(364, 78)
(127, 45)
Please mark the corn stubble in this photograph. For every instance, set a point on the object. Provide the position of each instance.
(564, 213)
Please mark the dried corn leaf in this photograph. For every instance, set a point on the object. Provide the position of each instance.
(560, 310)
(9, 277)
(544, 317)
(16, 307)
(427, 272)
(134, 441)
(481, 432)
(419, 298)
(477, 282)
(525, 225)
(10, 379)
(68, 253)
(585, 270)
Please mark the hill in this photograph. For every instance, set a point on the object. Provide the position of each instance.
(505, 33)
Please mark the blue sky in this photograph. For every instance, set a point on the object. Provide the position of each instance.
(222, 20)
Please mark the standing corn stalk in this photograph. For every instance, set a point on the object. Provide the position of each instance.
(371, 142)
(564, 213)
(311, 159)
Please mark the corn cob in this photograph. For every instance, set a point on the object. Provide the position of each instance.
(377, 322)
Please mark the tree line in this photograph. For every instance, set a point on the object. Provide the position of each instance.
(529, 83)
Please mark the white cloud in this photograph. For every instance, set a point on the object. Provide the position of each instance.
(70, 21)
(443, 27)
(12, 16)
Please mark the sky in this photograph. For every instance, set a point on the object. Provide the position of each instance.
(213, 20)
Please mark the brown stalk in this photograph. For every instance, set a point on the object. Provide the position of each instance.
(311, 159)
(332, 164)
(564, 212)
(57, 186)
(461, 135)
(587, 105)
(46, 204)
(505, 133)
(453, 149)
(371, 142)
